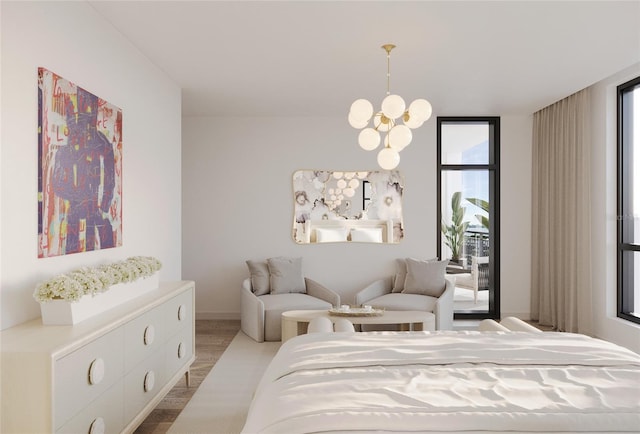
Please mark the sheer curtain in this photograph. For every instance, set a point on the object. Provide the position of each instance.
(561, 256)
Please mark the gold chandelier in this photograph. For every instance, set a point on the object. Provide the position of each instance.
(393, 108)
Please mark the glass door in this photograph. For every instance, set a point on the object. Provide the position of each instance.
(468, 212)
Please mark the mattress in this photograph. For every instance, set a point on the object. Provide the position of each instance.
(448, 382)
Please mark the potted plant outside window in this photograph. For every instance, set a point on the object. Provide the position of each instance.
(454, 232)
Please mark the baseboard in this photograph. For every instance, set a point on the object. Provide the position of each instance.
(217, 316)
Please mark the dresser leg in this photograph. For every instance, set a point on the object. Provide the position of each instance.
(187, 378)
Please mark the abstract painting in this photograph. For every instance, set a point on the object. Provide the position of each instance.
(80, 169)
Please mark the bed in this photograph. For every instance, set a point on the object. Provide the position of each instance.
(470, 381)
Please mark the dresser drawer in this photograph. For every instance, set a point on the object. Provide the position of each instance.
(144, 335)
(179, 312)
(179, 350)
(83, 375)
(143, 383)
(104, 415)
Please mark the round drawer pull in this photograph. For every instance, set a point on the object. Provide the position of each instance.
(96, 371)
(149, 381)
(149, 334)
(97, 426)
(181, 350)
(182, 311)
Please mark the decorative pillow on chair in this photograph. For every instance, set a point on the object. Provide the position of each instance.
(286, 275)
(331, 235)
(259, 271)
(401, 273)
(425, 277)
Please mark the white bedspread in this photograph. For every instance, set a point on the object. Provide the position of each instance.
(448, 382)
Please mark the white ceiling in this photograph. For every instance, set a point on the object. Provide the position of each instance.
(313, 58)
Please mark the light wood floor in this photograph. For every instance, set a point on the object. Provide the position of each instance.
(212, 338)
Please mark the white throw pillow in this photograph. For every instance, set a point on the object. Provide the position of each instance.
(425, 277)
(324, 235)
(286, 275)
(367, 235)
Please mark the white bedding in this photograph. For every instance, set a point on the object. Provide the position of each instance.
(448, 382)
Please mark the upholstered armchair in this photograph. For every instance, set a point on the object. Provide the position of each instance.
(414, 290)
(477, 278)
(265, 297)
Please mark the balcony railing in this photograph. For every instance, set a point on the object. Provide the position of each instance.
(477, 244)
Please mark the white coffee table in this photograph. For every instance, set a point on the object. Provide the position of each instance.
(295, 322)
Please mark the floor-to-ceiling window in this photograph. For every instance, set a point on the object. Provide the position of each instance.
(468, 211)
(629, 200)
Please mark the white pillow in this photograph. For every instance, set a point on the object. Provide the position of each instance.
(324, 235)
(367, 235)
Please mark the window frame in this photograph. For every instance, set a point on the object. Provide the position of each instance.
(493, 168)
(625, 273)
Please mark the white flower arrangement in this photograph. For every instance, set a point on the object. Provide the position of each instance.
(74, 285)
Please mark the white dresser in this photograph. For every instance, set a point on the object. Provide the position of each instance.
(103, 375)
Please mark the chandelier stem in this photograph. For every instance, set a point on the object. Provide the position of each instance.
(388, 74)
(388, 48)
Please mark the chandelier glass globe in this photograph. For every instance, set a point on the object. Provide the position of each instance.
(361, 109)
(357, 123)
(369, 139)
(420, 109)
(388, 158)
(393, 106)
(399, 137)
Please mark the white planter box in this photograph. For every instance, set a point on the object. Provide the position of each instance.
(62, 312)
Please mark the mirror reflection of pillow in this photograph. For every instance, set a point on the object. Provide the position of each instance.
(369, 235)
(331, 235)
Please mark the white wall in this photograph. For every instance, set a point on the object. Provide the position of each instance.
(238, 204)
(515, 216)
(603, 216)
(72, 40)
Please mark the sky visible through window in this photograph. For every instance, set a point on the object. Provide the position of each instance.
(475, 184)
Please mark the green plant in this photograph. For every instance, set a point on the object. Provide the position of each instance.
(484, 205)
(454, 233)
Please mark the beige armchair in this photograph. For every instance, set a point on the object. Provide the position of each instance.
(379, 295)
(260, 315)
(471, 280)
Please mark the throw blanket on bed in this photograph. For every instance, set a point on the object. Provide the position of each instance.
(448, 382)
